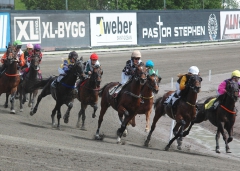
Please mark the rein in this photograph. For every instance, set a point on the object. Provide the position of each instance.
(131, 94)
(191, 104)
(12, 75)
(68, 86)
(232, 112)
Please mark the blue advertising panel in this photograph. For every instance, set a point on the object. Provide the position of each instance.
(4, 30)
(182, 26)
(52, 30)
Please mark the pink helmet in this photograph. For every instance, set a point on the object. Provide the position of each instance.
(29, 46)
(37, 47)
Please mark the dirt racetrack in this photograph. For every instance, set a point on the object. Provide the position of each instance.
(30, 143)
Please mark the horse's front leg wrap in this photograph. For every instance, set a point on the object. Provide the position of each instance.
(181, 129)
(95, 107)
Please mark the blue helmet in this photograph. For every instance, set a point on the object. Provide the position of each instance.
(149, 64)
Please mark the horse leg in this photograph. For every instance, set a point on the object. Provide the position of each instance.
(31, 99)
(104, 107)
(67, 114)
(53, 115)
(179, 134)
(6, 102)
(12, 100)
(148, 120)
(83, 108)
(217, 141)
(229, 129)
(180, 139)
(59, 115)
(40, 96)
(123, 127)
(95, 107)
(155, 119)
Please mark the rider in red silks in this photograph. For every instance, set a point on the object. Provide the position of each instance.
(29, 53)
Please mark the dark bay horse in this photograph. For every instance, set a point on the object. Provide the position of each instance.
(88, 94)
(28, 85)
(126, 103)
(151, 87)
(183, 113)
(64, 93)
(11, 78)
(223, 117)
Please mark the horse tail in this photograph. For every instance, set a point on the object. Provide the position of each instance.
(101, 90)
(157, 101)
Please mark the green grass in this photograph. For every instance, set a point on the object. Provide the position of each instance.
(19, 5)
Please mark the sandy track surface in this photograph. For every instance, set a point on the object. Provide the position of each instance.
(30, 143)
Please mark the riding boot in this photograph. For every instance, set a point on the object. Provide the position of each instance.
(215, 104)
(173, 99)
(55, 83)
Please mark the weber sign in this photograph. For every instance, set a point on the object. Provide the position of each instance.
(52, 30)
(113, 29)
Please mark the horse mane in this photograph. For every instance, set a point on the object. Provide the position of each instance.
(157, 101)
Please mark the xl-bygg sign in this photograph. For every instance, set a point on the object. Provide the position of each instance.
(154, 28)
(52, 30)
(230, 24)
(113, 29)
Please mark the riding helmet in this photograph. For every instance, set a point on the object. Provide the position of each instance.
(136, 53)
(94, 56)
(193, 70)
(236, 73)
(73, 55)
(150, 64)
(37, 47)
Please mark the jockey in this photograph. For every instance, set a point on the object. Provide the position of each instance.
(129, 70)
(20, 55)
(93, 61)
(222, 88)
(65, 67)
(150, 65)
(36, 50)
(181, 85)
(3, 67)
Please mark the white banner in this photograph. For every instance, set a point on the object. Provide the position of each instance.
(4, 30)
(113, 29)
(230, 24)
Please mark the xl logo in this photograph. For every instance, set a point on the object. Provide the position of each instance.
(27, 29)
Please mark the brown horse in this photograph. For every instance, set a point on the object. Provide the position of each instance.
(223, 117)
(184, 112)
(11, 78)
(88, 95)
(126, 103)
(151, 86)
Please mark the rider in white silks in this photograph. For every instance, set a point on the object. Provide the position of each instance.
(181, 84)
(128, 70)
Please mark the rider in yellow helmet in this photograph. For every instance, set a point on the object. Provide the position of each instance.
(222, 88)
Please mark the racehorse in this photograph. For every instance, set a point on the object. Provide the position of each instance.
(184, 112)
(126, 103)
(28, 85)
(64, 93)
(151, 87)
(223, 117)
(88, 94)
(11, 78)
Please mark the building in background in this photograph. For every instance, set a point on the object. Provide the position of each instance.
(6, 4)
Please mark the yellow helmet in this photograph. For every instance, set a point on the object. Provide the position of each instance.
(236, 73)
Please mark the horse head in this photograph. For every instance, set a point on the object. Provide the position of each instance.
(11, 54)
(77, 69)
(153, 81)
(35, 61)
(96, 76)
(140, 73)
(194, 83)
(232, 90)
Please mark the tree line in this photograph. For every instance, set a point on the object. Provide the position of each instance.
(128, 4)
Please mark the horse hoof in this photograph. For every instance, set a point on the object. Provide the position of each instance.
(83, 128)
(5, 106)
(66, 120)
(146, 130)
(179, 142)
(21, 110)
(98, 137)
(93, 116)
(31, 113)
(12, 112)
(179, 147)
(77, 126)
(230, 139)
(167, 148)
(217, 151)
(147, 143)
(228, 151)
(29, 105)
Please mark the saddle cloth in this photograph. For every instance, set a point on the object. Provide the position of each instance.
(210, 103)
(112, 90)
